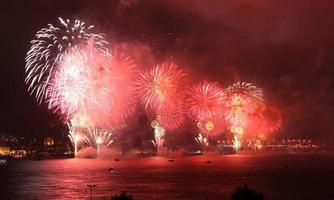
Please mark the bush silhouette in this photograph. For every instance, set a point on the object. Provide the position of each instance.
(122, 196)
(246, 193)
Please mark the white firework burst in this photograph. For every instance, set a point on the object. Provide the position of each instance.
(246, 90)
(49, 46)
(99, 137)
(242, 99)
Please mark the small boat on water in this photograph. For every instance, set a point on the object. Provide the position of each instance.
(193, 153)
(3, 162)
(112, 170)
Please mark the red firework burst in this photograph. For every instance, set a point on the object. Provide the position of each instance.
(206, 106)
(205, 101)
(160, 91)
(160, 84)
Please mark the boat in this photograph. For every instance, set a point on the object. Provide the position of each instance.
(111, 170)
(3, 162)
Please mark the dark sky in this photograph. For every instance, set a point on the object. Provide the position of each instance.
(286, 47)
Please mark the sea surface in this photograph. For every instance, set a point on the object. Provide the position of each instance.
(280, 177)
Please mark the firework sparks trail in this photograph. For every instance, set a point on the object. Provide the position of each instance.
(159, 133)
(77, 134)
(82, 132)
(99, 138)
(206, 107)
(75, 138)
(236, 143)
(49, 47)
(202, 141)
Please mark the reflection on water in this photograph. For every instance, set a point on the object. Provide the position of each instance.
(280, 177)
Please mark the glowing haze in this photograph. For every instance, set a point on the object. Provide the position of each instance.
(96, 90)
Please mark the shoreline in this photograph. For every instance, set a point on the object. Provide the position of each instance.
(118, 157)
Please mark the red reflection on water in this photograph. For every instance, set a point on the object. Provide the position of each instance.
(156, 178)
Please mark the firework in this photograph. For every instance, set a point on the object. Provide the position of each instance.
(237, 111)
(206, 107)
(160, 90)
(96, 86)
(82, 133)
(237, 130)
(160, 84)
(75, 137)
(202, 141)
(99, 138)
(122, 72)
(205, 101)
(236, 143)
(81, 121)
(49, 47)
(78, 127)
(242, 99)
(171, 115)
(72, 88)
(247, 90)
(211, 127)
(159, 133)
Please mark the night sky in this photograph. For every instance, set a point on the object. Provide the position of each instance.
(285, 47)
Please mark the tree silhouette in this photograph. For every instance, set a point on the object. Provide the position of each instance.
(122, 196)
(246, 193)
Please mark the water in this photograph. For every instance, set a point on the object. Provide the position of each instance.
(307, 177)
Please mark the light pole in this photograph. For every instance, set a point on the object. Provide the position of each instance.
(91, 191)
